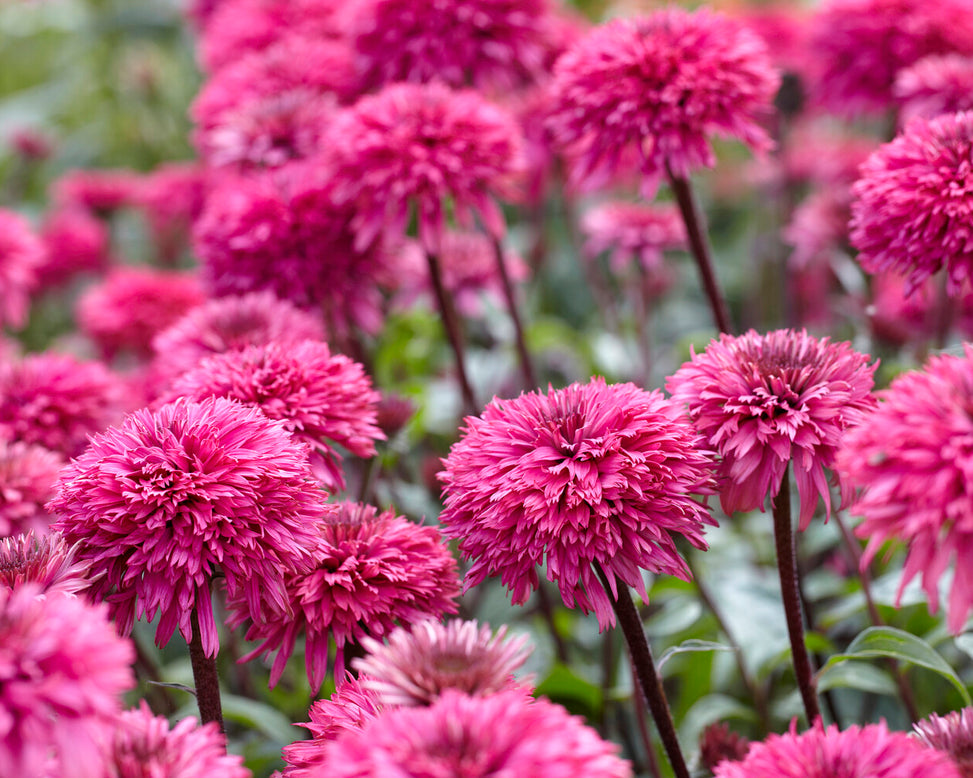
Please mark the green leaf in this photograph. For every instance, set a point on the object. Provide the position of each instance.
(261, 717)
(566, 687)
(902, 646)
(964, 643)
(856, 675)
(706, 710)
(688, 646)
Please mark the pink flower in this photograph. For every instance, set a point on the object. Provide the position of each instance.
(419, 664)
(764, 401)
(21, 253)
(503, 734)
(952, 734)
(62, 673)
(819, 227)
(172, 197)
(481, 43)
(822, 752)
(322, 398)
(100, 191)
(718, 743)
(783, 28)
(166, 500)
(594, 473)
(632, 231)
(370, 571)
(56, 401)
(350, 708)
(228, 324)
(860, 46)
(28, 474)
(144, 745)
(913, 203)
(31, 143)
(419, 146)
(75, 242)
(934, 85)
(663, 84)
(46, 562)
(132, 305)
(911, 457)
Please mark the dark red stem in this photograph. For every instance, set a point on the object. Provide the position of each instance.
(206, 678)
(526, 365)
(451, 324)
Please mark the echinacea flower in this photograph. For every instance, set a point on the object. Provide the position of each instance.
(419, 663)
(420, 146)
(56, 401)
(632, 231)
(75, 242)
(171, 197)
(44, 561)
(370, 571)
(911, 458)
(349, 708)
(952, 734)
(28, 475)
(143, 745)
(231, 323)
(163, 502)
(322, 398)
(934, 85)
(912, 204)
(21, 253)
(590, 474)
(719, 744)
(62, 673)
(871, 750)
(508, 733)
(763, 401)
(130, 306)
(860, 46)
(100, 191)
(479, 43)
(664, 84)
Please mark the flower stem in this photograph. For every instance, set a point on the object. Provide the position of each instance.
(206, 679)
(787, 567)
(699, 244)
(649, 680)
(451, 324)
(526, 365)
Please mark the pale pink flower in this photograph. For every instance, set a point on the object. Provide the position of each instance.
(46, 561)
(62, 673)
(21, 254)
(871, 750)
(145, 746)
(502, 734)
(766, 401)
(323, 399)
(419, 663)
(633, 231)
(952, 734)
(590, 474)
(28, 475)
(663, 84)
(913, 203)
(166, 500)
(911, 457)
(370, 572)
(934, 85)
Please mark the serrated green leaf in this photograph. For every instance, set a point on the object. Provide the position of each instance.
(902, 646)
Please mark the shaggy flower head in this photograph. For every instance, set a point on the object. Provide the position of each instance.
(871, 751)
(663, 84)
(763, 401)
(171, 197)
(933, 86)
(21, 253)
(230, 324)
(593, 473)
(166, 500)
(132, 305)
(56, 401)
(62, 673)
(349, 709)
(419, 664)
(481, 43)
(75, 242)
(46, 561)
(631, 230)
(953, 734)
(370, 571)
(860, 46)
(322, 398)
(98, 191)
(420, 146)
(475, 737)
(913, 204)
(144, 746)
(912, 457)
(28, 474)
